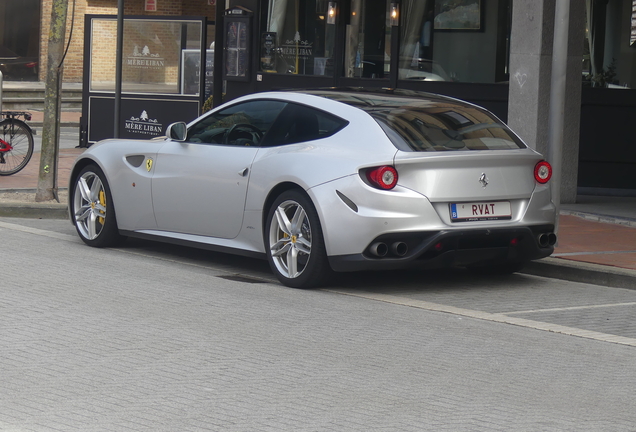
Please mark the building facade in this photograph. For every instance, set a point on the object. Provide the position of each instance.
(25, 24)
(496, 53)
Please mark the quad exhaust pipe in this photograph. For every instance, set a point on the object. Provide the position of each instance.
(381, 249)
(547, 239)
(399, 249)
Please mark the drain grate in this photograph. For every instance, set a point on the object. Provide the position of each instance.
(240, 278)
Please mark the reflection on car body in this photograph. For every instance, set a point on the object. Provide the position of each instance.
(327, 180)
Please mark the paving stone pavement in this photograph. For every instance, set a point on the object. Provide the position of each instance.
(156, 339)
(610, 319)
(595, 308)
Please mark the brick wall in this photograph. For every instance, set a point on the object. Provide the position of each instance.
(104, 67)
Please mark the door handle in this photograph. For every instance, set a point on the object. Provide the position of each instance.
(243, 172)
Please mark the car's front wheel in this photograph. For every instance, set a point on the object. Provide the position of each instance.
(92, 208)
(294, 242)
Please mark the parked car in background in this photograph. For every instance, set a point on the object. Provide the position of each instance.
(17, 68)
(327, 180)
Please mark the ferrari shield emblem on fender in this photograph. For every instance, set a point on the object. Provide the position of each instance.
(148, 164)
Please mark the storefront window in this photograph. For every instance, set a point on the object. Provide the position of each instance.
(368, 46)
(299, 39)
(610, 43)
(156, 56)
(19, 40)
(103, 55)
(458, 40)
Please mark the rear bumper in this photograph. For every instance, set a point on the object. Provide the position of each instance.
(448, 248)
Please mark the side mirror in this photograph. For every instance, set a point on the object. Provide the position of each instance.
(177, 131)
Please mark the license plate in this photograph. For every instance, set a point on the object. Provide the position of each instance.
(480, 211)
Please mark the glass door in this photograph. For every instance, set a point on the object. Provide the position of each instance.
(368, 40)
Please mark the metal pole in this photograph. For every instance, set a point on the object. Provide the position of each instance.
(217, 73)
(56, 147)
(557, 97)
(1, 78)
(118, 67)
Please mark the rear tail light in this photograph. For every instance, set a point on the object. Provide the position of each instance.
(31, 64)
(384, 177)
(542, 172)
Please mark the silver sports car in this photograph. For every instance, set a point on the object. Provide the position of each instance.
(327, 180)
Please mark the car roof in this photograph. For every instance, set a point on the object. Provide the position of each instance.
(363, 100)
(369, 98)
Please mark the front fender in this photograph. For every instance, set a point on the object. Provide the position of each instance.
(129, 178)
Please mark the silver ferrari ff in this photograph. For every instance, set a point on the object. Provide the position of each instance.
(327, 180)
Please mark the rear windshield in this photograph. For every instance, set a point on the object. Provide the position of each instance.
(442, 128)
(421, 122)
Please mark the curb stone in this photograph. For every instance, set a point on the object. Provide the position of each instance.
(34, 210)
(576, 271)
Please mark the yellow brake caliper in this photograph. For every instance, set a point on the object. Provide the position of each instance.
(102, 201)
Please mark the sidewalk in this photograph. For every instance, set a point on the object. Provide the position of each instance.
(67, 118)
(28, 177)
(597, 237)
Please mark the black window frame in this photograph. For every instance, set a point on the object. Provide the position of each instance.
(214, 114)
(276, 135)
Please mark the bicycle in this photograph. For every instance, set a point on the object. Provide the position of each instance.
(16, 142)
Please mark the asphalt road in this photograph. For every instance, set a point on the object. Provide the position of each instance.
(148, 337)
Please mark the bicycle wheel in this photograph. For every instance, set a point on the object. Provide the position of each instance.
(16, 146)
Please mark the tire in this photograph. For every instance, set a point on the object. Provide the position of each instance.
(19, 136)
(498, 269)
(92, 209)
(294, 242)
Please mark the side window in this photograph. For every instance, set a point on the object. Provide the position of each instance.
(243, 124)
(298, 123)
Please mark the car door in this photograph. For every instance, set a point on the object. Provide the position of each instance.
(199, 186)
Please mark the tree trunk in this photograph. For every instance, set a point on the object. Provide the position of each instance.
(47, 176)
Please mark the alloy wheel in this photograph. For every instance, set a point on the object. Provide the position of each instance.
(89, 205)
(290, 239)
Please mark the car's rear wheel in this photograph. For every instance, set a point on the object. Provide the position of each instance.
(294, 242)
(92, 209)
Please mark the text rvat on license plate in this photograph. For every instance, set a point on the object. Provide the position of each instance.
(479, 211)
